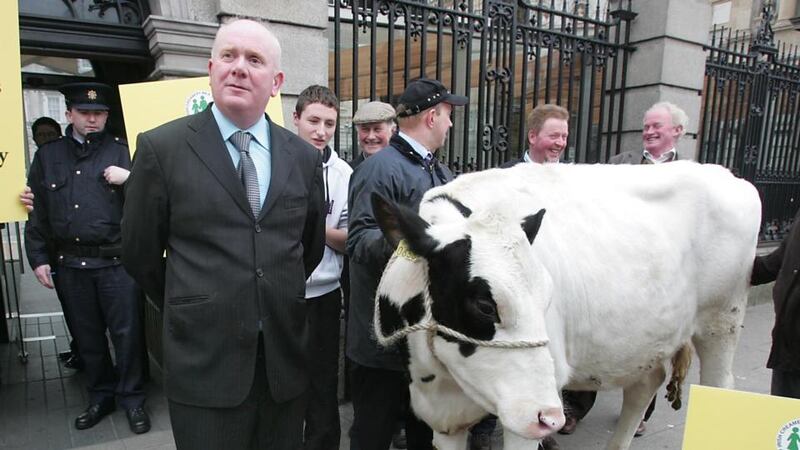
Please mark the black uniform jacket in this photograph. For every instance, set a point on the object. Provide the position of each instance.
(74, 207)
(398, 174)
(782, 266)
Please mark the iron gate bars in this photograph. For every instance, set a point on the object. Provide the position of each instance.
(507, 56)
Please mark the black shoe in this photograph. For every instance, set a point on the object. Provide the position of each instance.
(138, 420)
(74, 362)
(94, 414)
(64, 356)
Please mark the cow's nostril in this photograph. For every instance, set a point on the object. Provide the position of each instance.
(552, 418)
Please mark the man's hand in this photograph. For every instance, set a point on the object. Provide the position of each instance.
(116, 175)
(26, 198)
(43, 275)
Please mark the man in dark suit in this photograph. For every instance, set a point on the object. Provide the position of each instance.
(235, 202)
(781, 266)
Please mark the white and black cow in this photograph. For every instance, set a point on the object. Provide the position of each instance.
(512, 284)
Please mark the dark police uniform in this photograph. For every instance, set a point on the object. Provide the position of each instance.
(75, 227)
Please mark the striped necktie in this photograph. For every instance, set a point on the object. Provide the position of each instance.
(247, 169)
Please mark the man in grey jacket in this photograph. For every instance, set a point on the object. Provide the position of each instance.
(401, 173)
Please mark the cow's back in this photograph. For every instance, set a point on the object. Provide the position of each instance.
(642, 257)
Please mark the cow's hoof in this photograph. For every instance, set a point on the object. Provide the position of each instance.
(640, 430)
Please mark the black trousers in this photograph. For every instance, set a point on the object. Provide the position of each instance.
(257, 423)
(322, 429)
(106, 299)
(380, 399)
(785, 383)
(73, 344)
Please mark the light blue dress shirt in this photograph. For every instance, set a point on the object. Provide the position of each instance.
(259, 148)
(419, 148)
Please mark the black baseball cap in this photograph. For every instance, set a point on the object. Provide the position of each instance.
(424, 93)
(87, 96)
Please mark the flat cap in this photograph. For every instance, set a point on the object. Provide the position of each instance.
(374, 112)
(87, 96)
(424, 93)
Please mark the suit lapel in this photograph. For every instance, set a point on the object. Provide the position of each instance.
(207, 143)
(282, 164)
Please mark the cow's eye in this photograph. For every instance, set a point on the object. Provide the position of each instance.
(486, 307)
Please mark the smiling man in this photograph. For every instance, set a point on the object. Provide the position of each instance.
(548, 131)
(236, 202)
(664, 124)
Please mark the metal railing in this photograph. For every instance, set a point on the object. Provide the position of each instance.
(750, 116)
(507, 56)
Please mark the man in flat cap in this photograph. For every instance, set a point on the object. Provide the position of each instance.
(73, 236)
(401, 172)
(375, 125)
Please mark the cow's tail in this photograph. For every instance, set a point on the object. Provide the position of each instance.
(681, 361)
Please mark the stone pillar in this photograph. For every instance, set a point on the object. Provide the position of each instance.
(668, 64)
(181, 33)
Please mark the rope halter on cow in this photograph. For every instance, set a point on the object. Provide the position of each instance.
(429, 324)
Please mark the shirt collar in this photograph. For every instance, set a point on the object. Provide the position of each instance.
(527, 157)
(259, 130)
(667, 156)
(419, 148)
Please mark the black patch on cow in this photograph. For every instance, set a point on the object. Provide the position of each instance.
(459, 302)
(413, 310)
(466, 212)
(398, 222)
(390, 317)
(531, 224)
(428, 379)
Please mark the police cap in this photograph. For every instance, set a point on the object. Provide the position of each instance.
(87, 96)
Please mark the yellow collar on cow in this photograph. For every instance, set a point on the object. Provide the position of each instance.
(403, 251)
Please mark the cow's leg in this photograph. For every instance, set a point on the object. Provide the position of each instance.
(513, 441)
(635, 399)
(455, 441)
(716, 345)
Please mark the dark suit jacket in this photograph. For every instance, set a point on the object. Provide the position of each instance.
(225, 272)
(782, 266)
(634, 157)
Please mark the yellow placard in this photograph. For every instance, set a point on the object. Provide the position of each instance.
(148, 105)
(722, 419)
(12, 124)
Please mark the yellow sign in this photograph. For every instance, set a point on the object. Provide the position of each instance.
(148, 105)
(12, 125)
(722, 419)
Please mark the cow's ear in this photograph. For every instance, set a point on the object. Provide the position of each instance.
(398, 222)
(531, 224)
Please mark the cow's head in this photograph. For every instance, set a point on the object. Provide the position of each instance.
(479, 277)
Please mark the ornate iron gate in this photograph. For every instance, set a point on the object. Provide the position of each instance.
(750, 117)
(507, 56)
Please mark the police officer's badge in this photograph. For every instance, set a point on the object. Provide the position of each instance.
(91, 94)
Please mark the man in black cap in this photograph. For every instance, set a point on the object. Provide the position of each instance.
(73, 233)
(401, 172)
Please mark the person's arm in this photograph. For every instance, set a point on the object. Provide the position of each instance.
(365, 241)
(39, 240)
(336, 238)
(314, 229)
(145, 221)
(766, 268)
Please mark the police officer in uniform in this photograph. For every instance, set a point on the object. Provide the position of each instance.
(73, 233)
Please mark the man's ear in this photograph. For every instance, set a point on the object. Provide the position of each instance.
(400, 223)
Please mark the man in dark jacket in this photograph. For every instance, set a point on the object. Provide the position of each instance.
(782, 266)
(374, 124)
(73, 233)
(401, 173)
